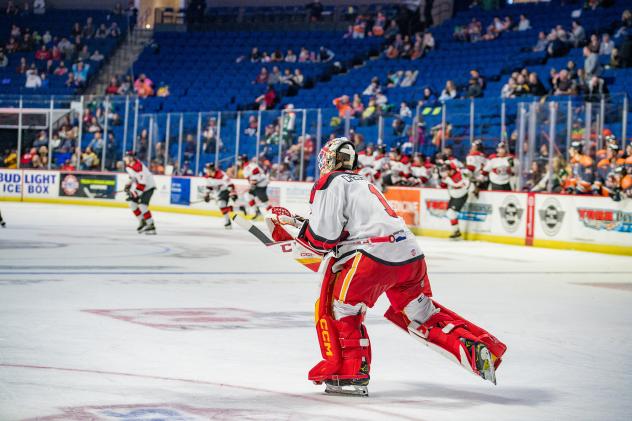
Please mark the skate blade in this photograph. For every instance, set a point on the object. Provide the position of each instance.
(151, 232)
(487, 372)
(349, 390)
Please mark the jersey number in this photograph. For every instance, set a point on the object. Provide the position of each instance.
(383, 201)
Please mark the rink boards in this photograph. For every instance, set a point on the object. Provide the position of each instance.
(546, 220)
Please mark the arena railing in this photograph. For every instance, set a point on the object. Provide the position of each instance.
(183, 142)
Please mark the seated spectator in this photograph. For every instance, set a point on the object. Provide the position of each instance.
(89, 159)
(404, 110)
(93, 125)
(84, 54)
(97, 143)
(113, 87)
(509, 89)
(379, 25)
(11, 159)
(33, 79)
(43, 53)
(67, 166)
(262, 77)
(578, 34)
(416, 52)
(428, 98)
(556, 47)
(373, 88)
(410, 77)
(393, 78)
(114, 31)
(391, 52)
(80, 71)
(12, 46)
(253, 126)
(521, 87)
(357, 105)
(369, 114)
(41, 139)
(536, 87)
(615, 58)
(562, 84)
(275, 76)
(542, 43)
(290, 57)
(268, 100)
(591, 63)
(143, 86)
(102, 32)
(449, 92)
(315, 10)
(276, 56)
(594, 45)
(325, 55)
(97, 56)
(163, 90)
(126, 86)
(523, 24)
(343, 106)
(304, 56)
(88, 28)
(56, 53)
(606, 46)
(428, 42)
(595, 89)
(298, 79)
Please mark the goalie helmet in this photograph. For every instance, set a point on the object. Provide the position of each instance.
(337, 154)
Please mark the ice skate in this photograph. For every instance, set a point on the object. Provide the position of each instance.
(141, 226)
(257, 214)
(149, 230)
(456, 235)
(228, 225)
(351, 387)
(243, 210)
(483, 359)
(3, 224)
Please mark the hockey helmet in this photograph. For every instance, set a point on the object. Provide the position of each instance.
(243, 158)
(337, 154)
(577, 145)
(210, 167)
(130, 153)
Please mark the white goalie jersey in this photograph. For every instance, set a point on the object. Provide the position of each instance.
(346, 207)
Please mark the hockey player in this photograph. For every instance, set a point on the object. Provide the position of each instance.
(220, 187)
(366, 158)
(257, 196)
(582, 174)
(139, 190)
(606, 168)
(500, 168)
(346, 207)
(475, 163)
(419, 170)
(458, 188)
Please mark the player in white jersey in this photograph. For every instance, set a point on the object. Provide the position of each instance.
(458, 188)
(366, 158)
(221, 188)
(257, 196)
(370, 251)
(475, 163)
(139, 190)
(500, 168)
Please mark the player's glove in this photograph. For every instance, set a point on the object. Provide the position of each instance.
(127, 188)
(233, 196)
(132, 196)
(207, 197)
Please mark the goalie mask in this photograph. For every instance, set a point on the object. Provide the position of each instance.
(337, 154)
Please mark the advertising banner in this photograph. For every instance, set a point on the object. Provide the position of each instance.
(10, 183)
(406, 202)
(40, 184)
(180, 191)
(583, 219)
(92, 186)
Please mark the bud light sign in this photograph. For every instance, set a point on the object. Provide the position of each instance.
(18, 183)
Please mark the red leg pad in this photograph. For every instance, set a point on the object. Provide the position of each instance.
(344, 346)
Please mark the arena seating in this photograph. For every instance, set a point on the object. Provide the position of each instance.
(59, 23)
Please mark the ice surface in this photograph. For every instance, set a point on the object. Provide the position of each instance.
(98, 322)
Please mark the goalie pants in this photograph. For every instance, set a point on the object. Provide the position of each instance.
(345, 295)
